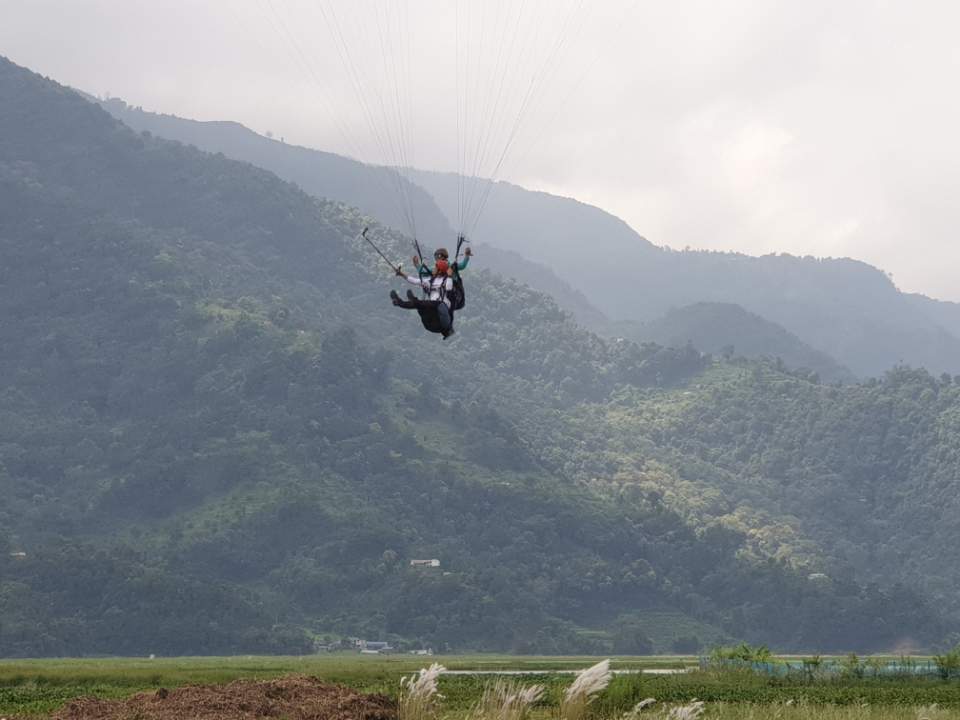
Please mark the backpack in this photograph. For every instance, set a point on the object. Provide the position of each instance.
(458, 298)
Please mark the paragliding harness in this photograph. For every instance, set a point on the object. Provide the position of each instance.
(457, 296)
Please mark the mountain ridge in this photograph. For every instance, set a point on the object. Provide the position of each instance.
(842, 307)
(727, 329)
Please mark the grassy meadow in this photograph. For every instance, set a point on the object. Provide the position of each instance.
(39, 686)
(35, 688)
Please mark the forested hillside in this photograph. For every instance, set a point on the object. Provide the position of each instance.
(858, 480)
(218, 436)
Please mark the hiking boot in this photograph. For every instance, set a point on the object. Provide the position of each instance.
(394, 297)
(448, 333)
(410, 295)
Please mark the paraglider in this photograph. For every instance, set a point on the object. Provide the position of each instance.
(436, 312)
(442, 286)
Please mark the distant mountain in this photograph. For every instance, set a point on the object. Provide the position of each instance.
(218, 436)
(567, 235)
(323, 174)
(945, 314)
(844, 308)
(727, 329)
(540, 277)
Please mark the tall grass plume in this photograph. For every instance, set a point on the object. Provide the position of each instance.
(419, 696)
(584, 689)
(506, 700)
(690, 711)
(634, 712)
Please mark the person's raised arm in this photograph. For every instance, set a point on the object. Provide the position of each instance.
(409, 278)
(462, 264)
(420, 265)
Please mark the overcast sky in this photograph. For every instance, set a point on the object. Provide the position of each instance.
(818, 127)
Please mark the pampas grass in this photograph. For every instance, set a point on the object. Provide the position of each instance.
(509, 700)
(506, 700)
(418, 694)
(932, 712)
(634, 712)
(690, 711)
(584, 689)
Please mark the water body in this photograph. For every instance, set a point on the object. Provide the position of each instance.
(554, 671)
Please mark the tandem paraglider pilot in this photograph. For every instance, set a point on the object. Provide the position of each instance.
(436, 308)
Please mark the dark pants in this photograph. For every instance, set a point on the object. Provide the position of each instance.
(434, 314)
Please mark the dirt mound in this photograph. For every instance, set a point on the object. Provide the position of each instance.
(291, 698)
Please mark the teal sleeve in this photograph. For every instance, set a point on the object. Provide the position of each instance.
(462, 265)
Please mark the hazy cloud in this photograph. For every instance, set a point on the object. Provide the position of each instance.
(814, 128)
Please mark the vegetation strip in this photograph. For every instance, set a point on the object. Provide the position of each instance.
(39, 688)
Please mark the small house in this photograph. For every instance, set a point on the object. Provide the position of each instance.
(434, 563)
(370, 647)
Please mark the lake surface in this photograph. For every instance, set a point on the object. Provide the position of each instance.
(554, 671)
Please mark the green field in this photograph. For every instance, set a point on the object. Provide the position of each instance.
(39, 686)
(33, 688)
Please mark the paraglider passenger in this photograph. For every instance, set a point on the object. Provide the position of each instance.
(435, 312)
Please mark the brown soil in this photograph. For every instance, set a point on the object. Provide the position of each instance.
(290, 698)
